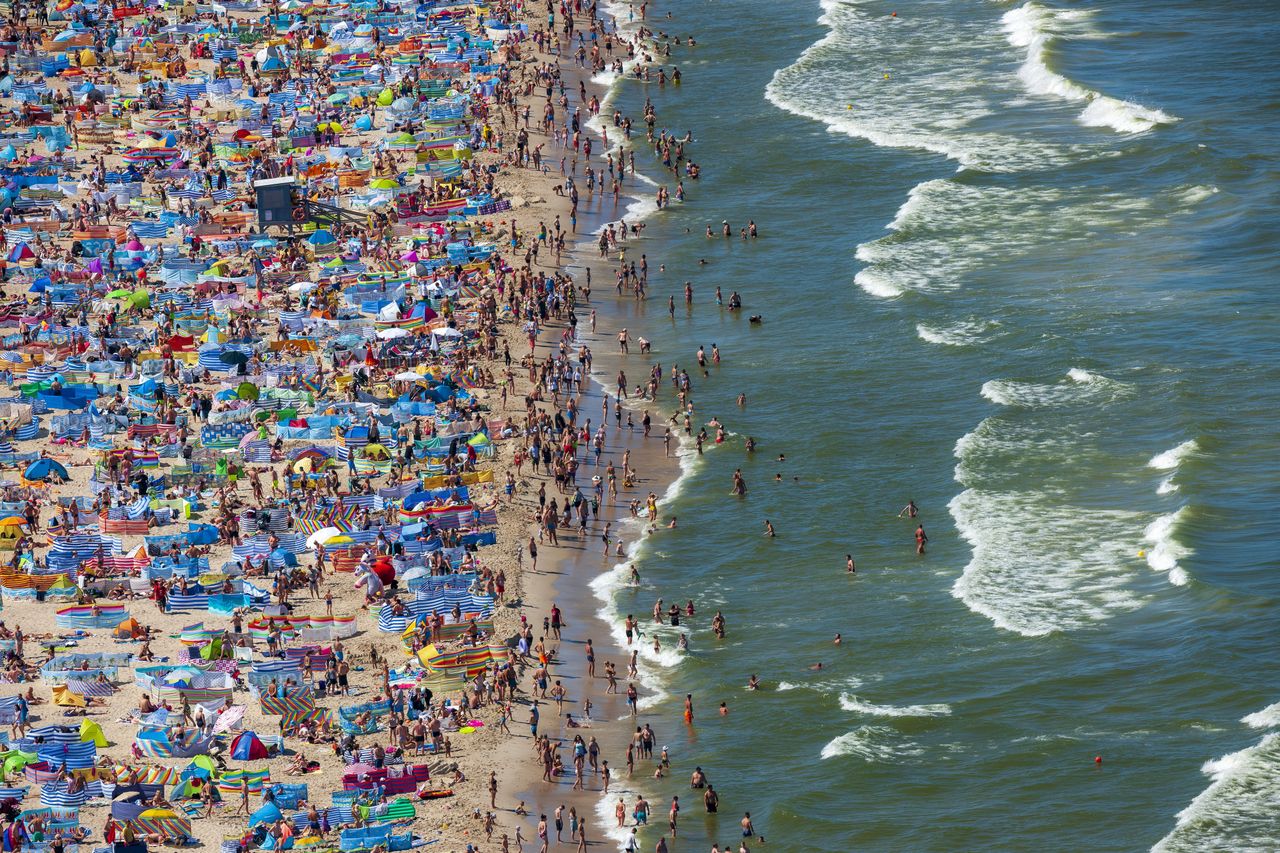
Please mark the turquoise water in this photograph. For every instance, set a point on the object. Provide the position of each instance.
(1016, 264)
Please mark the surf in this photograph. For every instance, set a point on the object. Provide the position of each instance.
(1232, 812)
(1033, 27)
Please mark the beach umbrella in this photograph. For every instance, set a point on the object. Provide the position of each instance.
(402, 105)
(340, 539)
(364, 123)
(247, 391)
(320, 237)
(303, 466)
(264, 243)
(323, 535)
(13, 521)
(391, 334)
(409, 376)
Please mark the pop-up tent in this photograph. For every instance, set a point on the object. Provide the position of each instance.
(91, 731)
(127, 630)
(269, 813)
(247, 747)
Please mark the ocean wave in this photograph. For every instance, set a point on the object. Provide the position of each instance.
(873, 744)
(962, 334)
(1164, 549)
(607, 586)
(1170, 459)
(1236, 812)
(1084, 387)
(1041, 565)
(825, 686)
(998, 447)
(1267, 718)
(949, 232)
(605, 821)
(937, 106)
(1033, 27)
(849, 702)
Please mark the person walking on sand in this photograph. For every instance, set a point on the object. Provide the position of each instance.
(493, 790)
(921, 539)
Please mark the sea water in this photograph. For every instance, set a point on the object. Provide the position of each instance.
(1016, 264)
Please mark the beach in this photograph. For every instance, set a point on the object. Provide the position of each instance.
(179, 629)
(886, 406)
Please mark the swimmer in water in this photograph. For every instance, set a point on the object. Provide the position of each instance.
(849, 567)
(837, 640)
(770, 532)
(910, 510)
(816, 666)
(753, 683)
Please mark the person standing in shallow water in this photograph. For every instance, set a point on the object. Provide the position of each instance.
(921, 539)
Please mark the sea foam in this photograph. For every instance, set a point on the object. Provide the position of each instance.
(1034, 27)
(1172, 458)
(849, 702)
(1164, 550)
(1232, 813)
(873, 744)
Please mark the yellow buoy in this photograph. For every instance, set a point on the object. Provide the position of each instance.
(1142, 553)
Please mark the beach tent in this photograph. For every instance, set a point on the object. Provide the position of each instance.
(201, 767)
(268, 813)
(129, 801)
(127, 630)
(20, 252)
(15, 760)
(247, 747)
(90, 731)
(65, 697)
(42, 468)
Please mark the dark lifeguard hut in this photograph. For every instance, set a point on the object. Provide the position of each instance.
(277, 199)
(282, 203)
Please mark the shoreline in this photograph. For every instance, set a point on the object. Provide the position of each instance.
(571, 581)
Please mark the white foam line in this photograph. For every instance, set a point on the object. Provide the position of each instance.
(1267, 718)
(873, 744)
(1233, 812)
(849, 702)
(1032, 27)
(1171, 459)
(1164, 549)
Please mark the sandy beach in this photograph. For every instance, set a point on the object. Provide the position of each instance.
(126, 585)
